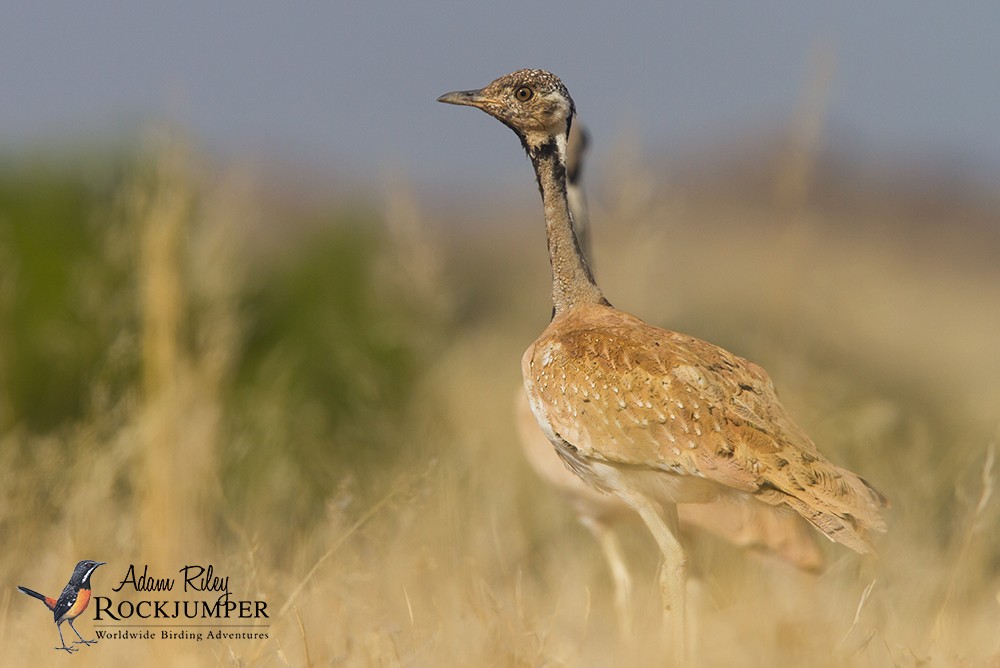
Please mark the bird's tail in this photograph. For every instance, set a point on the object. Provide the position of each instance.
(32, 593)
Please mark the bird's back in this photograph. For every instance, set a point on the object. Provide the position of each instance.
(684, 420)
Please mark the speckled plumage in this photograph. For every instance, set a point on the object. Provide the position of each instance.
(734, 517)
(684, 420)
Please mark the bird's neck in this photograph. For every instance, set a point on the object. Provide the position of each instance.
(572, 282)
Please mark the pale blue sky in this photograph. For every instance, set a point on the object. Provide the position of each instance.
(354, 84)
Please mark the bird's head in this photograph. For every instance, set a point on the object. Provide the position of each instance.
(533, 103)
(84, 569)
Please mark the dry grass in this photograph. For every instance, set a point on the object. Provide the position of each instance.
(443, 549)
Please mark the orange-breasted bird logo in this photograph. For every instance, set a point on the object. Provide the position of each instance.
(73, 600)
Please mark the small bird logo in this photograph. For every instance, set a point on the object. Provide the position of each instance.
(73, 600)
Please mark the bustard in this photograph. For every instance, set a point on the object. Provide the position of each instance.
(651, 416)
(750, 524)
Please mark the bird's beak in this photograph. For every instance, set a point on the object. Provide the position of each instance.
(100, 563)
(467, 98)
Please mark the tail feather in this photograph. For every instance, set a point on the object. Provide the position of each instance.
(846, 530)
(32, 593)
(50, 603)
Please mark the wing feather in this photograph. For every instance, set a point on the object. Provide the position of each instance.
(609, 388)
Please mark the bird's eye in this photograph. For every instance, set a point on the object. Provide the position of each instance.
(523, 93)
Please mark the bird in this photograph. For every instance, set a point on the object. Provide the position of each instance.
(577, 145)
(758, 526)
(73, 600)
(651, 416)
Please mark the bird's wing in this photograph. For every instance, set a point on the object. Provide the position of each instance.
(629, 394)
(65, 602)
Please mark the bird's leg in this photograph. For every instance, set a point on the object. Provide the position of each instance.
(673, 571)
(63, 641)
(620, 576)
(673, 577)
(81, 638)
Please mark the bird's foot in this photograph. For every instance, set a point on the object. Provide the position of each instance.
(68, 649)
(84, 642)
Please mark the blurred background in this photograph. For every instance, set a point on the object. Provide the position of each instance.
(263, 301)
